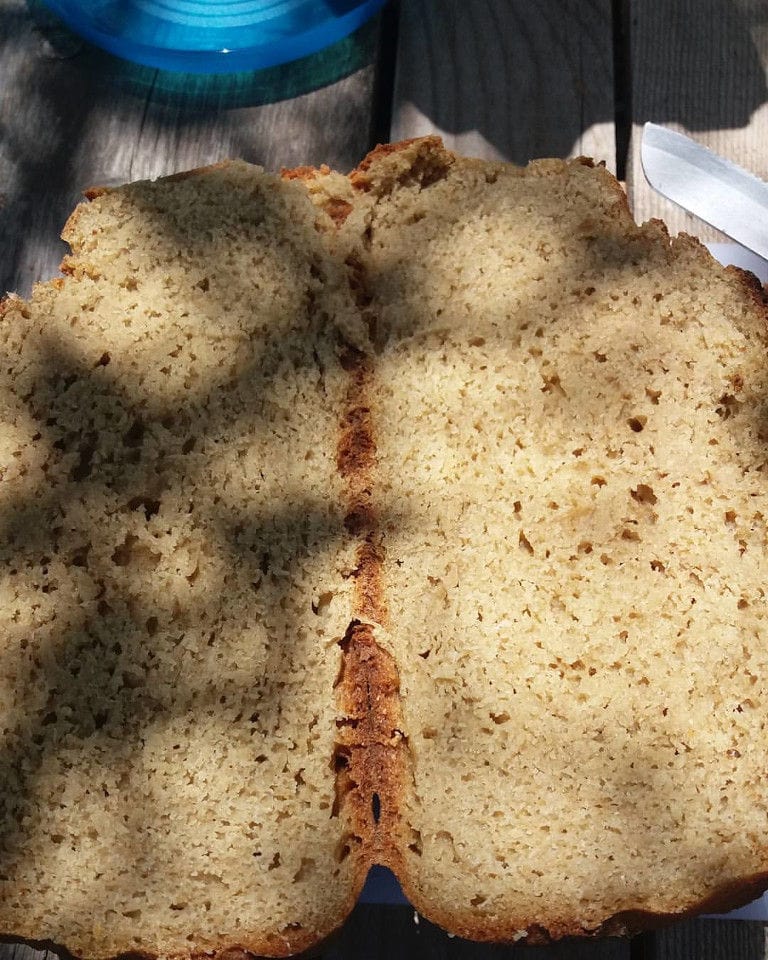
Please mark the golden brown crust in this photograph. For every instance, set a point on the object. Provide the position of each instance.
(93, 193)
(752, 286)
(422, 158)
(338, 210)
(335, 207)
(382, 150)
(356, 451)
(305, 173)
(370, 745)
(369, 686)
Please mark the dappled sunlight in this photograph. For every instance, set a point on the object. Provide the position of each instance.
(569, 411)
(179, 573)
(261, 579)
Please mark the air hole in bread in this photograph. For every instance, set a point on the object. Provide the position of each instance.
(525, 543)
(134, 436)
(643, 493)
(150, 504)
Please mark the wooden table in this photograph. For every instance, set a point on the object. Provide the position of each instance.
(511, 79)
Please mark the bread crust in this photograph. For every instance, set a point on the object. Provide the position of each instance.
(304, 173)
(370, 749)
(626, 923)
(422, 158)
(267, 946)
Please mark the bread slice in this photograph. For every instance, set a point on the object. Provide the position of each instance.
(569, 413)
(414, 517)
(176, 575)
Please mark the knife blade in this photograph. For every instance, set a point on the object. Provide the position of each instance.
(721, 193)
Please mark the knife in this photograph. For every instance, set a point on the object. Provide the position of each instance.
(716, 190)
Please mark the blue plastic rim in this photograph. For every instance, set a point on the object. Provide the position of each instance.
(213, 36)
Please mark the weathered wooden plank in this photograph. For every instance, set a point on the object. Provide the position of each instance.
(698, 66)
(381, 933)
(710, 940)
(71, 117)
(508, 79)
(23, 951)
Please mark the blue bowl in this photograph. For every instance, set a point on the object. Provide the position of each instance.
(213, 36)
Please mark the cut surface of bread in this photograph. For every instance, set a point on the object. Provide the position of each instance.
(175, 575)
(414, 517)
(570, 413)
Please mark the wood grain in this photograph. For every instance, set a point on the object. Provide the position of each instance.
(698, 66)
(72, 117)
(711, 940)
(22, 951)
(508, 79)
(384, 933)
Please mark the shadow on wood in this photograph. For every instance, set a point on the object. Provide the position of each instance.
(703, 940)
(73, 117)
(699, 65)
(696, 63)
(380, 933)
(517, 80)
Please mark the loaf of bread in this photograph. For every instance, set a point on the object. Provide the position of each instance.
(416, 517)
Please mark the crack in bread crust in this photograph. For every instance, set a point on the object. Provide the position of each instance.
(370, 741)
